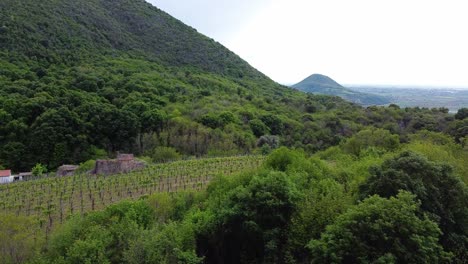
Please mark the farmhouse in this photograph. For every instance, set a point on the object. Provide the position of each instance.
(5, 176)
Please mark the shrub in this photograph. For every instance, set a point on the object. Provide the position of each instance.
(379, 138)
(164, 154)
(381, 230)
(39, 169)
(86, 166)
(443, 195)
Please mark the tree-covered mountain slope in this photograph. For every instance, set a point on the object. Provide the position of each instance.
(321, 84)
(64, 31)
(81, 79)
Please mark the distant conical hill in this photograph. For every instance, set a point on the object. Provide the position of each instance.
(321, 84)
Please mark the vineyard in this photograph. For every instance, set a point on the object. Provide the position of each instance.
(53, 199)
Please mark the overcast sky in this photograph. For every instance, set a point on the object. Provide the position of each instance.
(386, 42)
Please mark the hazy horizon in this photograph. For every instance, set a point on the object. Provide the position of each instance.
(363, 42)
(396, 86)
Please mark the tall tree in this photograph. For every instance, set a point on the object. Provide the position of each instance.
(442, 194)
(380, 230)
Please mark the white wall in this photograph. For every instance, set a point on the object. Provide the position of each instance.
(6, 179)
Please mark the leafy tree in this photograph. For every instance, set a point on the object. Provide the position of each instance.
(462, 113)
(100, 237)
(226, 118)
(250, 226)
(272, 142)
(172, 243)
(39, 169)
(56, 134)
(274, 123)
(211, 120)
(258, 127)
(459, 129)
(154, 120)
(281, 159)
(86, 166)
(20, 239)
(120, 128)
(13, 155)
(172, 206)
(380, 230)
(164, 154)
(443, 195)
(379, 138)
(321, 205)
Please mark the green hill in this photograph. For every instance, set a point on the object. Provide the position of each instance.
(64, 31)
(321, 84)
(80, 80)
(83, 79)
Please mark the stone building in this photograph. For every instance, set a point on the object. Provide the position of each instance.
(123, 164)
(66, 170)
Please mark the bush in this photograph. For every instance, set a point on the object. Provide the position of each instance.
(39, 169)
(379, 138)
(250, 225)
(258, 128)
(164, 154)
(272, 142)
(381, 230)
(462, 114)
(282, 158)
(100, 237)
(86, 166)
(20, 238)
(443, 195)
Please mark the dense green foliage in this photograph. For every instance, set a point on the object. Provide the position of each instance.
(443, 196)
(250, 225)
(101, 237)
(52, 199)
(20, 240)
(380, 231)
(125, 76)
(385, 205)
(80, 80)
(462, 114)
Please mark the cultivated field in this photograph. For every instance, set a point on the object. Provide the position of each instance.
(53, 199)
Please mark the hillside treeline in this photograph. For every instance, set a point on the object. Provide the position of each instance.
(60, 115)
(81, 80)
(369, 200)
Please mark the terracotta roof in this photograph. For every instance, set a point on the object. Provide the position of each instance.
(5, 173)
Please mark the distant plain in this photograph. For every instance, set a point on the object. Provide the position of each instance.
(451, 98)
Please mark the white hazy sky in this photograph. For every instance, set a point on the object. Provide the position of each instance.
(386, 42)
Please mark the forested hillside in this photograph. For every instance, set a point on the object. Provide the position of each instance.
(84, 79)
(372, 199)
(332, 181)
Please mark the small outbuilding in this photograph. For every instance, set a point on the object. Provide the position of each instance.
(5, 176)
(66, 170)
(24, 176)
(124, 163)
